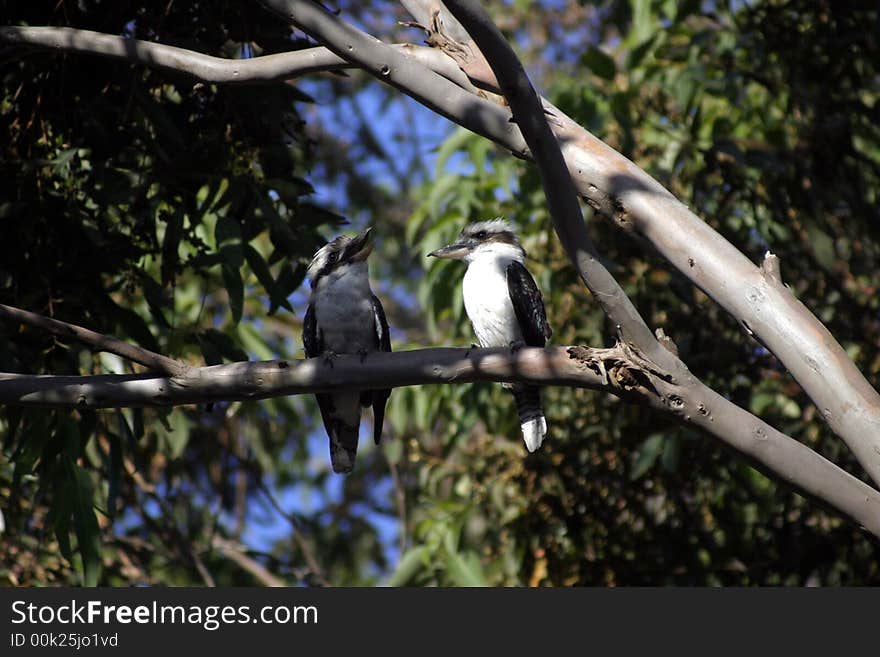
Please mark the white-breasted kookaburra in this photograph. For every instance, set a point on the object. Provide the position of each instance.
(345, 317)
(504, 305)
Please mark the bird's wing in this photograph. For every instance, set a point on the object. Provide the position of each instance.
(381, 324)
(528, 304)
(380, 397)
(311, 335)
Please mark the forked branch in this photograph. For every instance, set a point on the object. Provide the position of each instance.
(265, 68)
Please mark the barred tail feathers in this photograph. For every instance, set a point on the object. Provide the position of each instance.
(531, 415)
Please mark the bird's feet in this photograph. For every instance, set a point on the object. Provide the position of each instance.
(516, 345)
(363, 354)
(328, 357)
(468, 352)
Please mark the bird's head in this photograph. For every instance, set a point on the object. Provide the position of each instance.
(340, 256)
(493, 238)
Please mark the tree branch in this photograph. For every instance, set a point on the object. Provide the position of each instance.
(721, 418)
(258, 380)
(100, 342)
(636, 202)
(609, 182)
(267, 68)
(447, 34)
(640, 205)
(204, 67)
(313, 569)
(620, 370)
(619, 189)
(408, 75)
(237, 554)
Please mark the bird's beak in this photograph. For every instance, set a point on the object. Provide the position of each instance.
(455, 251)
(360, 247)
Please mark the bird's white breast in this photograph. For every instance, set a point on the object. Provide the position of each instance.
(344, 311)
(487, 301)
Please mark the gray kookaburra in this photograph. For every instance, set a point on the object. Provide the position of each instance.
(504, 305)
(345, 317)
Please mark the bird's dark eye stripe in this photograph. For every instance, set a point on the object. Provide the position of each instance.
(481, 235)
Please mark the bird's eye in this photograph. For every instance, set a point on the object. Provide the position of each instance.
(481, 235)
(333, 257)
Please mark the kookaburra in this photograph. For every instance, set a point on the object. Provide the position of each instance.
(345, 317)
(504, 305)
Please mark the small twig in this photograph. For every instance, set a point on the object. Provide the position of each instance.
(137, 477)
(316, 571)
(185, 548)
(100, 342)
(236, 553)
(203, 571)
(400, 498)
(129, 564)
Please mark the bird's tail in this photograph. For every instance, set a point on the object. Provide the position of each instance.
(343, 446)
(531, 415)
(342, 417)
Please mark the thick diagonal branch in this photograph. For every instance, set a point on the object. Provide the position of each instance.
(446, 34)
(406, 74)
(637, 203)
(719, 416)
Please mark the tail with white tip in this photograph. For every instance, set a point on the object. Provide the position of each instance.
(531, 415)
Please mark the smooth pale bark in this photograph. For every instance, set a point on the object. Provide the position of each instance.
(266, 68)
(406, 74)
(691, 399)
(259, 380)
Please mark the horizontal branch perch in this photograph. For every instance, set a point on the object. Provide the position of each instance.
(619, 370)
(263, 379)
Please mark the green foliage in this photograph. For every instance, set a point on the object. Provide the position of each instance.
(178, 216)
(161, 211)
